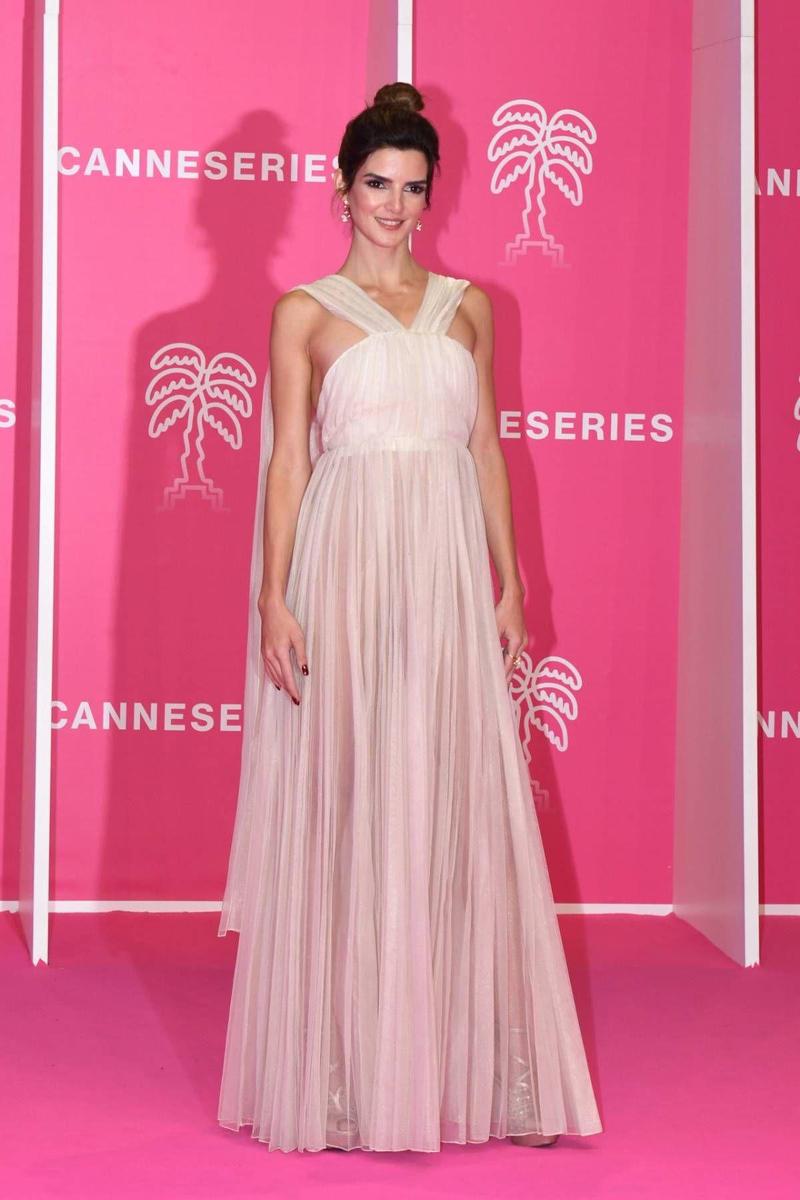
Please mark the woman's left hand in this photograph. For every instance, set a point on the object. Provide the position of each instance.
(511, 627)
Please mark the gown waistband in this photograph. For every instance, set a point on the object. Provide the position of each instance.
(397, 441)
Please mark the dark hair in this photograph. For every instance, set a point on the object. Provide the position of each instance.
(393, 119)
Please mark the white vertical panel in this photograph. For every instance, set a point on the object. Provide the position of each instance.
(715, 867)
(35, 824)
(405, 42)
(747, 174)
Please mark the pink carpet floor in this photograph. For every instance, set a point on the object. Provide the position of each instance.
(111, 1057)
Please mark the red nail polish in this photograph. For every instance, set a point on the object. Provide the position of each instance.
(305, 670)
(295, 701)
(278, 686)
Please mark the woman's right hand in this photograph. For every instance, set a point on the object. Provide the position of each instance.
(280, 634)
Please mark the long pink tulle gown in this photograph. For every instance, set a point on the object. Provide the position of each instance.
(400, 979)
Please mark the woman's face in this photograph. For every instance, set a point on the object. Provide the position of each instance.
(388, 194)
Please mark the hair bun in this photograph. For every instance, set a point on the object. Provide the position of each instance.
(403, 94)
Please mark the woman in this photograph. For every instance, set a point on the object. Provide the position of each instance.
(400, 979)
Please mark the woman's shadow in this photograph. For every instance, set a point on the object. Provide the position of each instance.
(181, 604)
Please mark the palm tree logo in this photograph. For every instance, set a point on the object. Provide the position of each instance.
(543, 698)
(203, 395)
(542, 151)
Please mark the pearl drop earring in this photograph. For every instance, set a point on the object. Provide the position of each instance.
(419, 225)
(346, 214)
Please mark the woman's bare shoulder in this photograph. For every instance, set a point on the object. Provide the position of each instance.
(296, 310)
(476, 305)
(476, 296)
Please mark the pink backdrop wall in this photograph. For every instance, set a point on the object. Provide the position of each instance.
(151, 597)
(589, 371)
(778, 208)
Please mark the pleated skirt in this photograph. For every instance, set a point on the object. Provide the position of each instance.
(400, 979)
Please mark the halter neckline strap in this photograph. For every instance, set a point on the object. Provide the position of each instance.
(349, 301)
(425, 296)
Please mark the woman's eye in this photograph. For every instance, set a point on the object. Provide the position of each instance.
(416, 188)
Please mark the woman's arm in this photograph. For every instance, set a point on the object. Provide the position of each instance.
(287, 478)
(495, 488)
